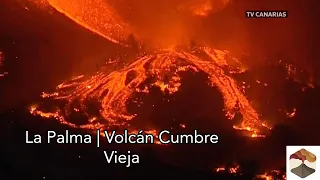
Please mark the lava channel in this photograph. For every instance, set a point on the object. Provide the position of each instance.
(112, 91)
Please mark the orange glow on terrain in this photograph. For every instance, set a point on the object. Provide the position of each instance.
(113, 91)
(95, 15)
(112, 88)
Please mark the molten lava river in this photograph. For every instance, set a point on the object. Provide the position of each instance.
(113, 89)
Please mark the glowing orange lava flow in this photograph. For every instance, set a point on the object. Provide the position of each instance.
(95, 15)
(236, 169)
(113, 91)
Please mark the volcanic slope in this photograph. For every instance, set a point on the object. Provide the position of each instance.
(113, 90)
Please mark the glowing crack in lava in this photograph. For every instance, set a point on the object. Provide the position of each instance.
(112, 90)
